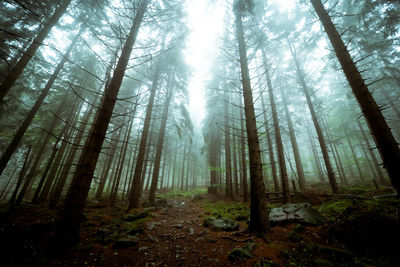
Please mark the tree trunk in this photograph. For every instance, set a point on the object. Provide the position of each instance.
(384, 139)
(243, 172)
(28, 54)
(183, 166)
(259, 222)
(228, 161)
(11, 202)
(160, 143)
(68, 231)
(354, 155)
(136, 188)
(374, 159)
(270, 147)
(114, 193)
(295, 146)
(278, 138)
(321, 138)
(28, 119)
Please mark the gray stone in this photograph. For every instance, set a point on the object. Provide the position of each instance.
(135, 216)
(177, 226)
(301, 213)
(221, 224)
(151, 225)
(239, 254)
(142, 248)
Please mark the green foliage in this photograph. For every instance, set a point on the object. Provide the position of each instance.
(178, 193)
(229, 210)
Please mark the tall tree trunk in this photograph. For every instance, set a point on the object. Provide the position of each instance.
(354, 155)
(28, 54)
(160, 143)
(259, 222)
(270, 147)
(28, 119)
(321, 138)
(228, 161)
(278, 137)
(68, 231)
(136, 188)
(374, 159)
(235, 164)
(243, 168)
(114, 193)
(384, 139)
(212, 157)
(183, 166)
(316, 158)
(295, 146)
(11, 202)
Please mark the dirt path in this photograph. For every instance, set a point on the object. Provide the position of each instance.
(175, 236)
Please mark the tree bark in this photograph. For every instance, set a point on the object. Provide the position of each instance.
(160, 143)
(259, 222)
(136, 189)
(68, 231)
(384, 139)
(295, 146)
(228, 161)
(321, 138)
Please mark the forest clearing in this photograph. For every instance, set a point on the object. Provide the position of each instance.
(199, 133)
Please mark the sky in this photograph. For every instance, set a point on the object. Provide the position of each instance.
(206, 25)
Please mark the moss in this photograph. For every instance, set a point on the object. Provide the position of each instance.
(178, 193)
(231, 210)
(335, 208)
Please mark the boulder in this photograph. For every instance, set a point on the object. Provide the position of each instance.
(221, 224)
(239, 254)
(301, 213)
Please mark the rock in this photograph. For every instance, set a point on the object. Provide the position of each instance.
(265, 263)
(323, 263)
(135, 230)
(299, 228)
(177, 226)
(162, 203)
(242, 253)
(294, 237)
(239, 254)
(125, 243)
(301, 213)
(221, 224)
(191, 231)
(135, 216)
(142, 248)
(151, 225)
(150, 209)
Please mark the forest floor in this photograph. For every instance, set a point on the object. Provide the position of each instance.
(359, 231)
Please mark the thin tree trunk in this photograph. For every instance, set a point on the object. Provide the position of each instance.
(374, 159)
(174, 168)
(259, 222)
(136, 189)
(11, 202)
(160, 143)
(228, 162)
(243, 179)
(68, 231)
(295, 146)
(28, 54)
(384, 139)
(183, 166)
(270, 147)
(114, 193)
(321, 138)
(278, 137)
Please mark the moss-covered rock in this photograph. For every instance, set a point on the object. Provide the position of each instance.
(221, 224)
